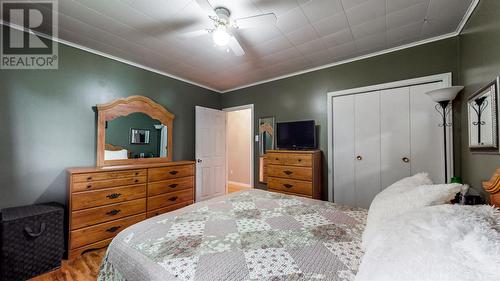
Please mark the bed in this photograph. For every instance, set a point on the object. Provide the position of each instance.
(248, 235)
(411, 232)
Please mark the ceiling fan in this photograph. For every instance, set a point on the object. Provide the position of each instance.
(224, 27)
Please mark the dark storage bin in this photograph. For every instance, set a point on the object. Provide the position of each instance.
(32, 241)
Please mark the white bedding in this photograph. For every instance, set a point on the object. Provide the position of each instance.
(445, 242)
(405, 195)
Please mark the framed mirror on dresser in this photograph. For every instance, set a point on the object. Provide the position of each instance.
(133, 130)
(134, 177)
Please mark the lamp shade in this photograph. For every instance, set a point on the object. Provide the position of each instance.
(445, 94)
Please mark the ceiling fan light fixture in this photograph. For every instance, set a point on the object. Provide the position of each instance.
(221, 36)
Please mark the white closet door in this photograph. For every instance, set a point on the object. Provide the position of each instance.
(343, 150)
(427, 150)
(367, 147)
(395, 135)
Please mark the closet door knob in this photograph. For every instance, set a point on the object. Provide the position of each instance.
(359, 158)
(406, 159)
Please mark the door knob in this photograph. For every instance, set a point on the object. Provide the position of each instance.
(359, 158)
(199, 160)
(406, 159)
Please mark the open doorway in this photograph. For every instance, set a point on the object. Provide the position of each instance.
(239, 148)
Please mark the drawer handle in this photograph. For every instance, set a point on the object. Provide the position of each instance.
(174, 185)
(277, 159)
(113, 229)
(173, 172)
(173, 198)
(300, 160)
(89, 178)
(136, 173)
(113, 212)
(114, 195)
(136, 180)
(288, 172)
(89, 186)
(287, 185)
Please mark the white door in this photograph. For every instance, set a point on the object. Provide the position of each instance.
(343, 150)
(395, 135)
(427, 149)
(367, 147)
(210, 153)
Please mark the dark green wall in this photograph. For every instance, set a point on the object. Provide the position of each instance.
(304, 96)
(479, 64)
(48, 124)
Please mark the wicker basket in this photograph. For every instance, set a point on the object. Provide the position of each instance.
(32, 241)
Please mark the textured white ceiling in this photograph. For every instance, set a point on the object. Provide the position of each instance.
(308, 33)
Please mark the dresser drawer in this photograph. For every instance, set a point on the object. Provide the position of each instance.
(290, 172)
(109, 175)
(168, 209)
(173, 172)
(97, 215)
(173, 185)
(288, 185)
(102, 231)
(89, 199)
(290, 159)
(169, 199)
(84, 186)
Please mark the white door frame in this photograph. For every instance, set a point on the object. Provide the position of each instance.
(252, 145)
(445, 78)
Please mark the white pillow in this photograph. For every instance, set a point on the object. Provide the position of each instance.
(387, 205)
(445, 242)
(379, 201)
(115, 155)
(408, 182)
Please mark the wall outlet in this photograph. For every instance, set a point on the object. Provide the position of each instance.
(256, 138)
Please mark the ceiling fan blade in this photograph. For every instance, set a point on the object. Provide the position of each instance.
(235, 46)
(206, 6)
(192, 34)
(257, 21)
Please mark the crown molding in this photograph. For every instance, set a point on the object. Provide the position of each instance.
(109, 56)
(457, 32)
(370, 55)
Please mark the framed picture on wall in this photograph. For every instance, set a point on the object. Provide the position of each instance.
(482, 116)
(139, 136)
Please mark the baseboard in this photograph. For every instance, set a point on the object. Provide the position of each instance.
(239, 184)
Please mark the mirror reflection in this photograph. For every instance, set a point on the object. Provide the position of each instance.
(135, 136)
(482, 118)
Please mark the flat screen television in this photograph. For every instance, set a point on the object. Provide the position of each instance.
(296, 135)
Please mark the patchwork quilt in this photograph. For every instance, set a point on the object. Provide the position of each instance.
(248, 235)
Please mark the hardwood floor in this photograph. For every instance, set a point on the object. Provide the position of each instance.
(85, 268)
(234, 188)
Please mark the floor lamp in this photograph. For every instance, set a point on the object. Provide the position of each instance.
(443, 97)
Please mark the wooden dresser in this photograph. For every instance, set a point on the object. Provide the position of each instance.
(104, 201)
(294, 172)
